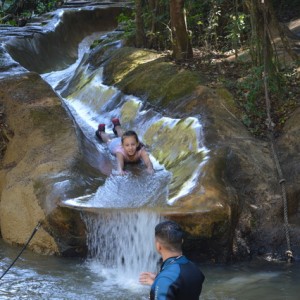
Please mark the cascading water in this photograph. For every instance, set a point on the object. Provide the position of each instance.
(120, 242)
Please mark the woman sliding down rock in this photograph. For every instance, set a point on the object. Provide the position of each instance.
(126, 146)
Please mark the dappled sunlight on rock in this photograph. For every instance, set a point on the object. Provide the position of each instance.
(129, 111)
(173, 140)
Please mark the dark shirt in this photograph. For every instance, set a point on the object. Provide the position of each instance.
(178, 279)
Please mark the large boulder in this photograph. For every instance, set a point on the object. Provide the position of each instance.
(36, 162)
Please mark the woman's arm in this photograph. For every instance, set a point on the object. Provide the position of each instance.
(120, 160)
(147, 161)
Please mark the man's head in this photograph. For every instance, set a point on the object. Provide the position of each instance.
(169, 235)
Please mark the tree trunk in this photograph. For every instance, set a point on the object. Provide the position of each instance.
(153, 7)
(156, 37)
(140, 37)
(276, 33)
(182, 47)
(257, 32)
(267, 35)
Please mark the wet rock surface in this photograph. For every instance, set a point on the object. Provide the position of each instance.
(37, 163)
(237, 205)
(36, 159)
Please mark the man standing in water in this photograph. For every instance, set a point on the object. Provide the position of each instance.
(178, 278)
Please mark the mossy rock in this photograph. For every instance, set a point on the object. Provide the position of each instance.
(162, 138)
(124, 61)
(229, 101)
(147, 74)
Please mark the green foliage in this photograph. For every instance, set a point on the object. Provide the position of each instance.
(196, 12)
(251, 89)
(127, 23)
(217, 24)
(290, 98)
(211, 34)
(45, 6)
(29, 8)
(235, 27)
(157, 26)
(214, 23)
(251, 94)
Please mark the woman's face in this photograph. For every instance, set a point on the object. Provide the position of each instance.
(130, 144)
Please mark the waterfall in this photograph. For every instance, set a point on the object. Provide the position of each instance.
(119, 222)
(94, 103)
(122, 241)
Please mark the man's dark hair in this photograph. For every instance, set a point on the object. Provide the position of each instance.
(170, 234)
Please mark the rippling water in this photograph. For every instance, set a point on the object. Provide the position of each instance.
(42, 277)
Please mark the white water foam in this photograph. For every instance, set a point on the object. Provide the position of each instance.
(121, 245)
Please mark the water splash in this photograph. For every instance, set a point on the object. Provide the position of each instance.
(133, 191)
(121, 244)
(136, 189)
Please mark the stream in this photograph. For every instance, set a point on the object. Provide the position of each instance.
(38, 277)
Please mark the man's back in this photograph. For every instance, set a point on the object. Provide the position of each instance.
(178, 279)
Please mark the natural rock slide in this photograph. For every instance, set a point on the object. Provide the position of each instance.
(234, 209)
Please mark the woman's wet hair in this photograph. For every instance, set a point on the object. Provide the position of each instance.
(134, 134)
(130, 133)
(170, 234)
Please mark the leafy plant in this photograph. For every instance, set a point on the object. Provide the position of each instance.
(127, 23)
(211, 34)
(252, 99)
(236, 26)
(25, 9)
(196, 12)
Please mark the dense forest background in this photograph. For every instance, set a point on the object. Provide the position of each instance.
(246, 46)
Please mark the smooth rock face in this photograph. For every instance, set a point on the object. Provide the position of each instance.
(36, 159)
(45, 51)
(43, 147)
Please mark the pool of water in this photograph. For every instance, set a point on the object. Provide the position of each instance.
(42, 277)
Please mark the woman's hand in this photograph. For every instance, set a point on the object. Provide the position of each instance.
(150, 170)
(121, 172)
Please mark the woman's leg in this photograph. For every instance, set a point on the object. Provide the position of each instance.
(104, 136)
(101, 134)
(114, 144)
(118, 131)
